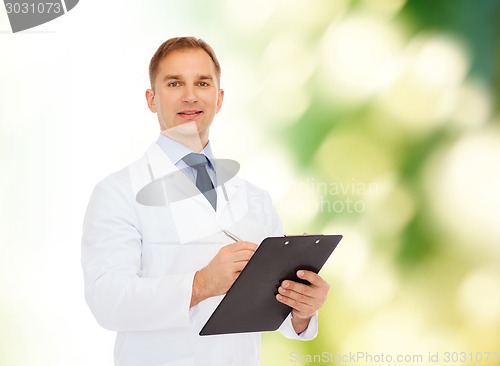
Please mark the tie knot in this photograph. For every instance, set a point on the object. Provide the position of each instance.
(194, 159)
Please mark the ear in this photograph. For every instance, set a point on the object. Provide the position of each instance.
(219, 100)
(150, 98)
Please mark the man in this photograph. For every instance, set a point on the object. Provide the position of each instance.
(156, 266)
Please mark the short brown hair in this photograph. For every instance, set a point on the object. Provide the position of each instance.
(181, 43)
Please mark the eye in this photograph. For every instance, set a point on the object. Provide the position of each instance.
(203, 84)
(173, 84)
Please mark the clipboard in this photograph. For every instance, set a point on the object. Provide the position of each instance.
(250, 304)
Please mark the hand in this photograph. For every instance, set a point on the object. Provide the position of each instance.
(219, 275)
(305, 300)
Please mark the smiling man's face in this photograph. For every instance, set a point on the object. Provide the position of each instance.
(186, 89)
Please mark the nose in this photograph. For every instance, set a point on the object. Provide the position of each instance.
(189, 94)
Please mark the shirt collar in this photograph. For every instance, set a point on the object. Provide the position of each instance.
(175, 151)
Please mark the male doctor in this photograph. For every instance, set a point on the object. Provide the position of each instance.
(156, 266)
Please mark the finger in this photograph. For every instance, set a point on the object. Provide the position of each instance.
(233, 248)
(297, 305)
(307, 290)
(316, 294)
(238, 266)
(244, 245)
(309, 299)
(313, 278)
(242, 255)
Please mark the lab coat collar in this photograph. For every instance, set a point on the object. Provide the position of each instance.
(161, 166)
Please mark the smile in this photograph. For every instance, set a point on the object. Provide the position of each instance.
(189, 113)
(188, 116)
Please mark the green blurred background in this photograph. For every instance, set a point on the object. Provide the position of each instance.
(385, 116)
(375, 119)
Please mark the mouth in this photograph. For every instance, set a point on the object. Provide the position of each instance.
(189, 114)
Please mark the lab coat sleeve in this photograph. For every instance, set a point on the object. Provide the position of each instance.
(286, 327)
(119, 298)
(309, 333)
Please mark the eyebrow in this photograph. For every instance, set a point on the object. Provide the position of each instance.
(205, 77)
(179, 77)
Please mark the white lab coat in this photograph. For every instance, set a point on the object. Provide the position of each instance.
(139, 262)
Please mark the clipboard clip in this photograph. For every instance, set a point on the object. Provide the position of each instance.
(303, 234)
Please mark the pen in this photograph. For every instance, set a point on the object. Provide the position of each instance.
(232, 236)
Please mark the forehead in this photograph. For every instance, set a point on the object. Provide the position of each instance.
(186, 63)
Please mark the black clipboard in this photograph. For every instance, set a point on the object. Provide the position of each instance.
(250, 305)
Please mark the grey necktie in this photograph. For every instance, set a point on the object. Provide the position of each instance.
(203, 181)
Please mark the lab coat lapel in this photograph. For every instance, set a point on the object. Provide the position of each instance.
(178, 185)
(232, 203)
(193, 215)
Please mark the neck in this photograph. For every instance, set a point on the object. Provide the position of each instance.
(187, 134)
